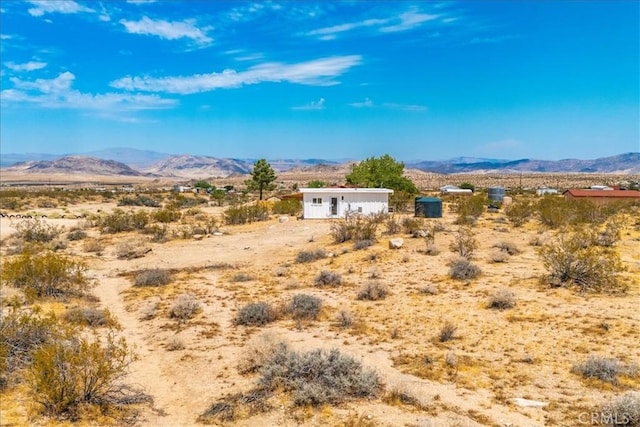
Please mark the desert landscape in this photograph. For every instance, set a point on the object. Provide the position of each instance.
(207, 307)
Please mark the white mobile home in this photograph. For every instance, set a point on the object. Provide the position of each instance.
(320, 203)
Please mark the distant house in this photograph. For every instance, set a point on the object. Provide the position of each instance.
(182, 188)
(602, 196)
(544, 190)
(453, 189)
(322, 203)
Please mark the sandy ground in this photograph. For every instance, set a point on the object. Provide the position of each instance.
(526, 352)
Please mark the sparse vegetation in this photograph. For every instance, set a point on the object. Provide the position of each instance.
(447, 331)
(464, 243)
(623, 410)
(185, 307)
(328, 278)
(502, 299)
(355, 226)
(89, 316)
(152, 277)
(244, 214)
(310, 255)
(304, 307)
(36, 230)
(604, 369)
(373, 290)
(256, 314)
(463, 269)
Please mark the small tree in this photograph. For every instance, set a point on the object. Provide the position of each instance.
(262, 177)
(467, 186)
(464, 243)
(316, 183)
(382, 172)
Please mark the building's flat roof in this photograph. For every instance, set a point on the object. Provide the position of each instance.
(345, 190)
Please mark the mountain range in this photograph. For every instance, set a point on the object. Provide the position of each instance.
(132, 162)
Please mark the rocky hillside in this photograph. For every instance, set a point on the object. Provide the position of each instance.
(76, 165)
(198, 167)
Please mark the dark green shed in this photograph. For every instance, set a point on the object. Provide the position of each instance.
(428, 207)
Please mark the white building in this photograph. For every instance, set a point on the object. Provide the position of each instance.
(321, 203)
(454, 189)
(544, 190)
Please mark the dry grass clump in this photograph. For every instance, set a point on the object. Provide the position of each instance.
(508, 247)
(152, 277)
(373, 291)
(623, 410)
(502, 299)
(447, 331)
(604, 369)
(175, 343)
(429, 289)
(256, 314)
(362, 244)
(185, 307)
(498, 256)
(36, 230)
(89, 316)
(76, 235)
(310, 255)
(463, 269)
(93, 246)
(328, 278)
(242, 277)
(344, 319)
(258, 350)
(401, 395)
(304, 307)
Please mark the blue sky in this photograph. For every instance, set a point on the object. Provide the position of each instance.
(333, 80)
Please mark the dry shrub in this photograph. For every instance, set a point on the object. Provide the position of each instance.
(498, 256)
(256, 314)
(318, 377)
(401, 395)
(344, 319)
(175, 343)
(463, 269)
(507, 247)
(46, 274)
(185, 307)
(76, 235)
(258, 350)
(447, 331)
(519, 212)
(89, 316)
(93, 246)
(604, 369)
(502, 299)
(429, 289)
(242, 277)
(464, 243)
(303, 306)
(373, 291)
(355, 226)
(36, 230)
(152, 277)
(310, 255)
(328, 278)
(622, 410)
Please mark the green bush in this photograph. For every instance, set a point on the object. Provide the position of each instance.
(119, 221)
(36, 230)
(166, 215)
(356, 227)
(469, 208)
(287, 207)
(46, 274)
(68, 374)
(139, 200)
(246, 214)
(519, 212)
(572, 260)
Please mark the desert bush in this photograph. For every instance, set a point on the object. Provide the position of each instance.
(242, 277)
(608, 236)
(344, 319)
(318, 376)
(393, 226)
(21, 333)
(552, 211)
(401, 395)
(447, 331)
(178, 201)
(519, 212)
(36, 230)
(119, 221)
(412, 225)
(149, 310)
(362, 244)
(256, 314)
(502, 299)
(468, 208)
(429, 289)
(152, 277)
(46, 274)
(258, 350)
(158, 232)
(185, 307)
(508, 247)
(623, 410)
(304, 307)
(463, 269)
(67, 374)
(327, 278)
(431, 249)
(604, 369)
(373, 291)
(310, 255)
(175, 343)
(139, 200)
(497, 255)
(166, 215)
(89, 316)
(355, 226)
(76, 235)
(287, 207)
(572, 260)
(246, 214)
(93, 245)
(464, 243)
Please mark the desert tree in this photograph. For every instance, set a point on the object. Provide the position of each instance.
(262, 177)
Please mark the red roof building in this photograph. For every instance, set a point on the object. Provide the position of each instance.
(602, 195)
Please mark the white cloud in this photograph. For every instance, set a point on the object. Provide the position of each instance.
(167, 30)
(58, 93)
(313, 105)
(328, 33)
(405, 107)
(27, 66)
(367, 103)
(56, 6)
(319, 72)
(408, 21)
(5, 37)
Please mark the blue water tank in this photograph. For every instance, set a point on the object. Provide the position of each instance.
(428, 207)
(496, 194)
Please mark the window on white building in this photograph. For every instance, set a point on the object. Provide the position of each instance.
(316, 200)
